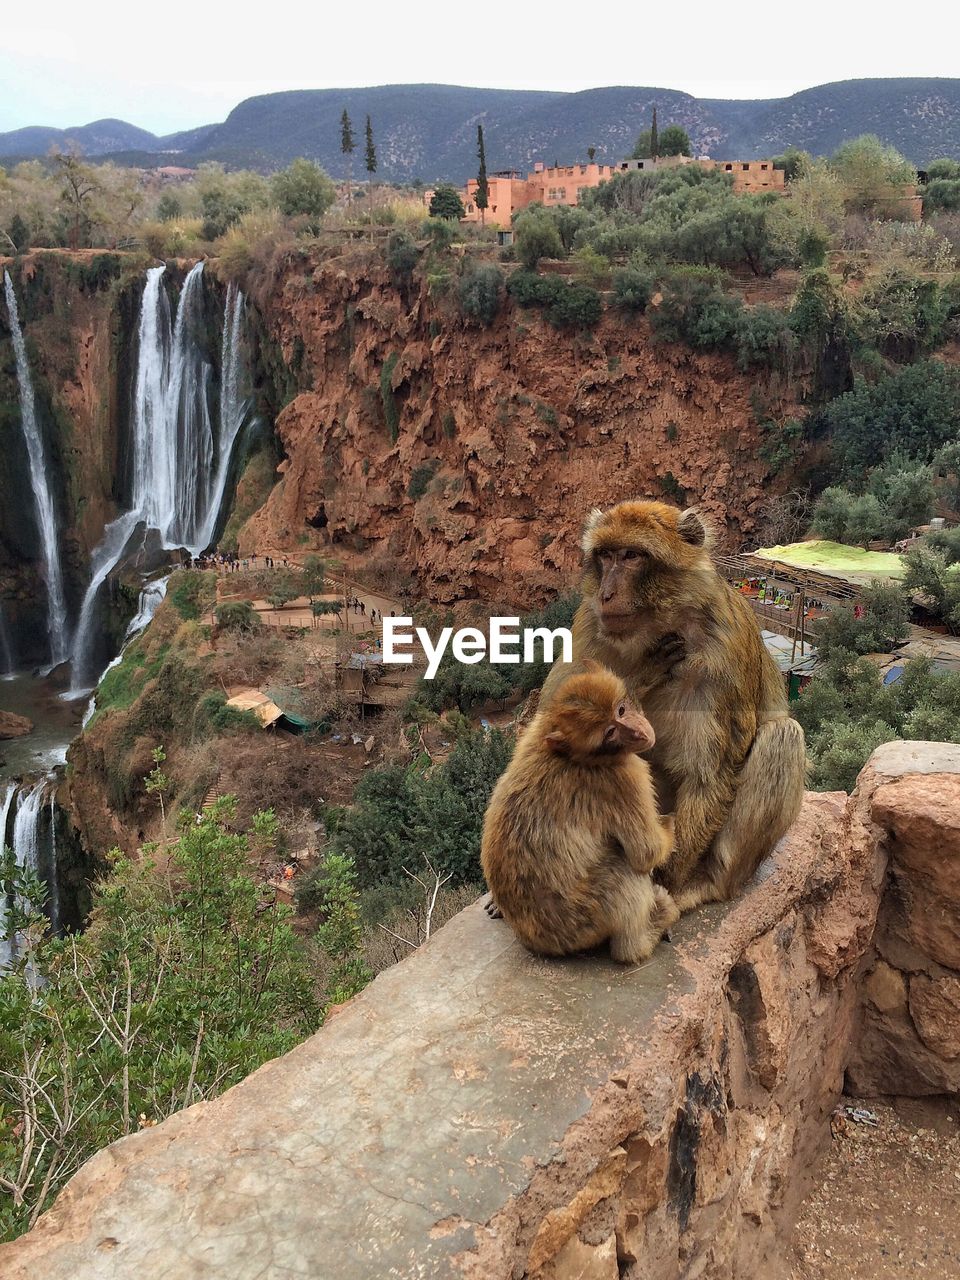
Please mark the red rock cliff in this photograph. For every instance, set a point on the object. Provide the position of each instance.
(513, 433)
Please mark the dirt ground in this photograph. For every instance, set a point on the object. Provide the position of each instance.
(887, 1204)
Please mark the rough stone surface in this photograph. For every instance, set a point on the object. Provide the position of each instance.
(519, 428)
(14, 726)
(480, 1113)
(910, 1038)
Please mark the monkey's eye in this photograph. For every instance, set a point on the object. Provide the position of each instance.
(621, 711)
(632, 553)
(610, 734)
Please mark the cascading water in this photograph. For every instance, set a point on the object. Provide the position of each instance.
(33, 841)
(5, 802)
(7, 664)
(42, 497)
(150, 599)
(180, 464)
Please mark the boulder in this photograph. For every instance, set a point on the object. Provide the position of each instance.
(14, 726)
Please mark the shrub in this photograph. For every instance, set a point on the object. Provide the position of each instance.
(303, 189)
(763, 336)
(446, 203)
(420, 480)
(172, 937)
(575, 306)
(391, 412)
(634, 287)
(914, 411)
(592, 268)
(402, 253)
(531, 290)
(480, 292)
(237, 615)
(536, 236)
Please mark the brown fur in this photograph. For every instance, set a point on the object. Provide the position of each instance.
(729, 758)
(572, 832)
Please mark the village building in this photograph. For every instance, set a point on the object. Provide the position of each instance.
(553, 185)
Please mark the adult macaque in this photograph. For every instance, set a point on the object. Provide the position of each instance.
(572, 830)
(729, 760)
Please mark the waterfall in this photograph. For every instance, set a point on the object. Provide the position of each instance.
(7, 663)
(180, 464)
(39, 478)
(5, 801)
(28, 847)
(148, 604)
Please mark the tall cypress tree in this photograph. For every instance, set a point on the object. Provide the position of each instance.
(347, 145)
(654, 139)
(482, 196)
(371, 151)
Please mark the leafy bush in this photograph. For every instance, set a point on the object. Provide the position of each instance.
(305, 190)
(391, 411)
(847, 711)
(575, 306)
(763, 336)
(213, 979)
(402, 813)
(536, 236)
(694, 309)
(882, 623)
(481, 292)
(402, 253)
(914, 410)
(446, 203)
(420, 480)
(531, 290)
(634, 287)
(237, 615)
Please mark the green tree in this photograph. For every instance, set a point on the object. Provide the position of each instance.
(481, 292)
(79, 184)
(347, 146)
(188, 978)
(481, 196)
(313, 580)
(536, 236)
(675, 141)
(793, 162)
(446, 203)
(872, 172)
(881, 622)
(303, 189)
(654, 136)
(341, 933)
(19, 234)
(370, 151)
(831, 514)
(169, 207)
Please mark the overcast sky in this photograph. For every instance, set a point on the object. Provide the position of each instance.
(178, 63)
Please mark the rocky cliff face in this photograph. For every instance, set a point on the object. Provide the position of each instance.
(78, 314)
(470, 455)
(479, 1112)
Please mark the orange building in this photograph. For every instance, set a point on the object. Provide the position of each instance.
(563, 184)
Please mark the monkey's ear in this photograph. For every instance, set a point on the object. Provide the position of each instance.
(691, 528)
(593, 519)
(556, 741)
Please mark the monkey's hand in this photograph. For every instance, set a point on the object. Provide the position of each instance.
(490, 907)
(666, 655)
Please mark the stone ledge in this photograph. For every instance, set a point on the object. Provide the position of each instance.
(480, 1112)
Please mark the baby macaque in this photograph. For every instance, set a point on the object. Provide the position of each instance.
(572, 830)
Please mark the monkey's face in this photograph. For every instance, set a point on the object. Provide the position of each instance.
(592, 719)
(632, 552)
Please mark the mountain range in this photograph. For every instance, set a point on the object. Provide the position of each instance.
(429, 131)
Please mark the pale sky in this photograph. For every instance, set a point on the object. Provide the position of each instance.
(181, 63)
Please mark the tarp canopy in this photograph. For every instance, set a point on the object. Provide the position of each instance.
(850, 564)
(255, 700)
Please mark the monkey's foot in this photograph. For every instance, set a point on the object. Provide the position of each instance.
(490, 907)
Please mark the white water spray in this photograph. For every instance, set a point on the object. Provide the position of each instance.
(180, 464)
(39, 480)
